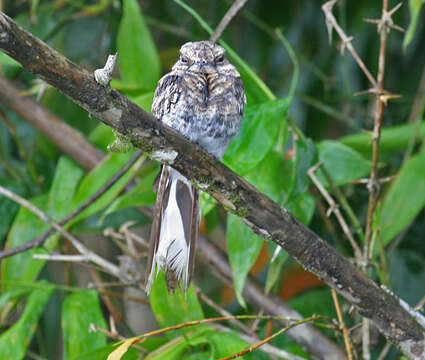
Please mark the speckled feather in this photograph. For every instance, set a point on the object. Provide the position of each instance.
(203, 98)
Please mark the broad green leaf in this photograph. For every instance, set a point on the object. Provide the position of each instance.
(15, 341)
(184, 346)
(25, 227)
(229, 343)
(8, 208)
(140, 195)
(7, 60)
(144, 101)
(393, 139)
(342, 162)
(102, 136)
(28, 226)
(94, 180)
(12, 294)
(257, 136)
(173, 309)
(138, 58)
(415, 9)
(243, 247)
(405, 198)
(79, 310)
(302, 207)
(305, 155)
(270, 177)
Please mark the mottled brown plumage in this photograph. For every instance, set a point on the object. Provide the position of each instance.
(203, 98)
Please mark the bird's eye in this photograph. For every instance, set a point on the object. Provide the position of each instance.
(184, 59)
(219, 59)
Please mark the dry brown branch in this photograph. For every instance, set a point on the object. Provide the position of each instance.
(263, 216)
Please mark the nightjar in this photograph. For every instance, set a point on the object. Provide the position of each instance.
(203, 98)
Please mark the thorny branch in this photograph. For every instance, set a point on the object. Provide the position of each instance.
(262, 215)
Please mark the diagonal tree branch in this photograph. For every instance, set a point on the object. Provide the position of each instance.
(266, 218)
(307, 336)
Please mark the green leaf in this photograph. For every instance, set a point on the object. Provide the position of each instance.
(94, 180)
(28, 226)
(173, 309)
(270, 177)
(101, 136)
(8, 208)
(79, 310)
(138, 58)
(140, 195)
(305, 155)
(243, 247)
(144, 101)
(228, 343)
(405, 198)
(257, 136)
(342, 163)
(393, 139)
(8, 61)
(15, 341)
(302, 207)
(415, 9)
(12, 294)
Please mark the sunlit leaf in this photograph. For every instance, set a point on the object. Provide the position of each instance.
(15, 341)
(118, 353)
(257, 136)
(94, 180)
(243, 247)
(173, 309)
(342, 162)
(137, 55)
(28, 226)
(405, 198)
(79, 310)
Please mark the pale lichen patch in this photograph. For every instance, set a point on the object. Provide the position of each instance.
(112, 115)
(165, 156)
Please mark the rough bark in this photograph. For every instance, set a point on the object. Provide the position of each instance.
(78, 148)
(265, 217)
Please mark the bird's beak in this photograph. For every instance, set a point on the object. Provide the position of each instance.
(202, 67)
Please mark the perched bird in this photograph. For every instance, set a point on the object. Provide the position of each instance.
(203, 98)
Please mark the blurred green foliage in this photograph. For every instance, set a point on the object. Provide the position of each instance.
(284, 133)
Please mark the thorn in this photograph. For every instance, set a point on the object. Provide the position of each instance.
(344, 44)
(385, 23)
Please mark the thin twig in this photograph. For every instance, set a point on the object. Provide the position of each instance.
(344, 203)
(90, 255)
(230, 14)
(40, 240)
(269, 338)
(342, 325)
(333, 24)
(334, 208)
(266, 348)
(373, 185)
(224, 312)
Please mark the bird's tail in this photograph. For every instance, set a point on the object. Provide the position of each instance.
(174, 230)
